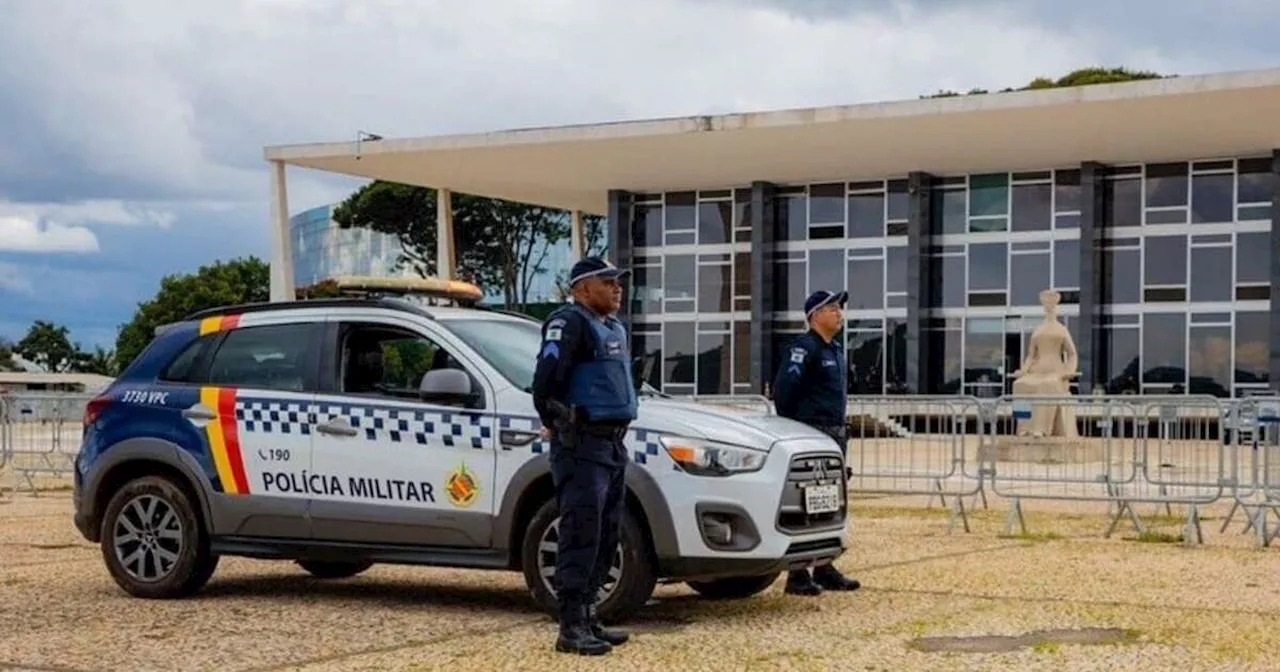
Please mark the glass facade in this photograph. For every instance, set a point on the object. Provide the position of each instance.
(1184, 295)
(322, 250)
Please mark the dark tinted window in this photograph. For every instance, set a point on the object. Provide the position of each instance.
(271, 357)
(182, 368)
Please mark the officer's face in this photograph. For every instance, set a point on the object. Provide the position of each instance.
(603, 295)
(829, 318)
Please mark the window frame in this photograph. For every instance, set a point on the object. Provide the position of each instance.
(213, 346)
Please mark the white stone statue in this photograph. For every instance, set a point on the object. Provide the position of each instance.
(1047, 370)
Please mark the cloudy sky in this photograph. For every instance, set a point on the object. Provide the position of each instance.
(133, 129)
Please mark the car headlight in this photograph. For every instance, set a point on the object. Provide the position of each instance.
(708, 458)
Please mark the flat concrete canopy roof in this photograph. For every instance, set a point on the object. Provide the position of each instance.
(573, 167)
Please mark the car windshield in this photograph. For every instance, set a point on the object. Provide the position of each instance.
(510, 346)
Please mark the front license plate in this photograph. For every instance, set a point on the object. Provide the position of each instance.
(821, 499)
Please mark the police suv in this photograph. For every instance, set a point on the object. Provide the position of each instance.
(339, 433)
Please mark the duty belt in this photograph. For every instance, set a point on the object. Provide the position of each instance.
(611, 432)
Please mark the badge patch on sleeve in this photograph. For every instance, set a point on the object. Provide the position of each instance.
(554, 333)
(798, 355)
(550, 351)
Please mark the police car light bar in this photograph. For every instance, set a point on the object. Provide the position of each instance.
(456, 290)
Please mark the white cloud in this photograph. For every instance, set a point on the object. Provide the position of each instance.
(99, 212)
(18, 234)
(183, 96)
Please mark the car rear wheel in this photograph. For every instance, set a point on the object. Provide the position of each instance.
(734, 588)
(153, 541)
(325, 569)
(630, 580)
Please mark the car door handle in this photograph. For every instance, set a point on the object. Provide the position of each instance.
(337, 427)
(198, 412)
(511, 437)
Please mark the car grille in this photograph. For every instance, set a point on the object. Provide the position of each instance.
(811, 469)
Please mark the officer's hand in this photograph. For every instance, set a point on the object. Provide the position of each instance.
(545, 434)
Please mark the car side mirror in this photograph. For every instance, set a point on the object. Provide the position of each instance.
(447, 386)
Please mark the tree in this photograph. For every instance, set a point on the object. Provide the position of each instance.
(48, 346)
(498, 244)
(6, 356)
(1081, 77)
(243, 280)
(100, 361)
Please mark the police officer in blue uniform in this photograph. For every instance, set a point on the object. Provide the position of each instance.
(585, 397)
(810, 387)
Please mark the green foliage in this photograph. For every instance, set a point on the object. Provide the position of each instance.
(1081, 77)
(498, 244)
(48, 346)
(6, 356)
(245, 280)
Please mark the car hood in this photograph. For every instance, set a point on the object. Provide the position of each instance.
(740, 426)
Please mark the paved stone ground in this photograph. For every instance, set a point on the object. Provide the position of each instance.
(1212, 607)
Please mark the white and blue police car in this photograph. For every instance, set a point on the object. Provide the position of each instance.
(339, 433)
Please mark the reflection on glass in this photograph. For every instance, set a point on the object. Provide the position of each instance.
(713, 288)
(988, 266)
(1125, 202)
(714, 364)
(1166, 260)
(646, 226)
(1253, 260)
(1211, 274)
(895, 356)
(865, 350)
(826, 270)
(1030, 277)
(866, 216)
(1254, 181)
(945, 364)
(1209, 361)
(984, 353)
(1032, 207)
(866, 284)
(742, 274)
(1123, 268)
(792, 222)
(1166, 184)
(715, 223)
(1066, 264)
(896, 274)
(649, 345)
(1251, 348)
(1212, 199)
(1066, 191)
(949, 211)
(1164, 348)
(679, 281)
(1123, 361)
(988, 195)
(678, 352)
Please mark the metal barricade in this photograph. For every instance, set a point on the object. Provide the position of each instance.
(1256, 422)
(912, 445)
(42, 433)
(1118, 450)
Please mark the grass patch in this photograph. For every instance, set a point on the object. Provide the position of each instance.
(1155, 537)
(1034, 536)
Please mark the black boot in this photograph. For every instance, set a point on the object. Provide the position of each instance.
(830, 578)
(612, 636)
(800, 583)
(575, 634)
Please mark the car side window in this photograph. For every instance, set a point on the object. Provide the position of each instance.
(386, 361)
(271, 357)
(185, 367)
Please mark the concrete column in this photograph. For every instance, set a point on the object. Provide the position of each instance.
(446, 260)
(764, 216)
(919, 280)
(578, 236)
(1274, 364)
(619, 252)
(1090, 341)
(282, 279)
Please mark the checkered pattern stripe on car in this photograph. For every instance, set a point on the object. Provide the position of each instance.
(642, 442)
(421, 426)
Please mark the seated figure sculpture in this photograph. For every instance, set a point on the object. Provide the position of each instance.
(1049, 366)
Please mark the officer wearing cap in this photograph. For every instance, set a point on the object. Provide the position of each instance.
(585, 397)
(810, 387)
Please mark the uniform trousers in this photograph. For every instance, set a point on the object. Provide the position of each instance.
(590, 488)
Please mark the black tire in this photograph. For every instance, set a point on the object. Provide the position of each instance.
(168, 554)
(735, 587)
(326, 569)
(633, 588)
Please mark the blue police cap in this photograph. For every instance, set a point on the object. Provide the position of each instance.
(822, 298)
(595, 267)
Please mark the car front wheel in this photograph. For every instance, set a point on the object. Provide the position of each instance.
(153, 542)
(630, 579)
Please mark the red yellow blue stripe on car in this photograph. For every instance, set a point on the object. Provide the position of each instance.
(210, 325)
(224, 439)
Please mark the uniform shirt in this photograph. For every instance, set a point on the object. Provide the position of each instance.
(810, 385)
(567, 343)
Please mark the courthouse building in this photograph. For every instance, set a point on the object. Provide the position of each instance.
(1148, 205)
